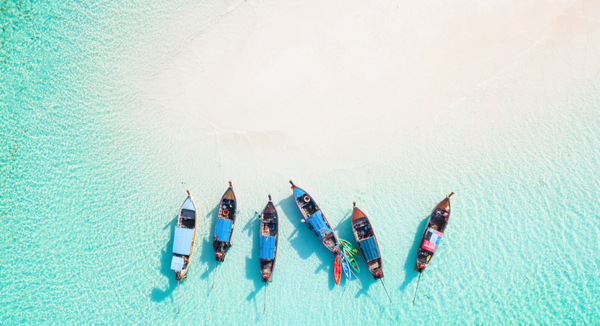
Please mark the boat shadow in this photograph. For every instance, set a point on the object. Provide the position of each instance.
(252, 262)
(207, 255)
(411, 259)
(305, 242)
(159, 294)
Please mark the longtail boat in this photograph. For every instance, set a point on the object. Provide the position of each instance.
(432, 236)
(269, 230)
(269, 238)
(183, 241)
(316, 220)
(367, 242)
(225, 224)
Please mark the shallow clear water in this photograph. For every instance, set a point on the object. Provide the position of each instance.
(92, 172)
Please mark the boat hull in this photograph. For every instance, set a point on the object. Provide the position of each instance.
(184, 238)
(225, 224)
(316, 220)
(362, 230)
(432, 235)
(269, 229)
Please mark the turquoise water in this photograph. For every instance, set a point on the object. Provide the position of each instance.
(93, 172)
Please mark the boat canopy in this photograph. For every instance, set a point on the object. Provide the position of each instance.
(182, 244)
(189, 205)
(223, 229)
(267, 247)
(369, 247)
(177, 263)
(432, 239)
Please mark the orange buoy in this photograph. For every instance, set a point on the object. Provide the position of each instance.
(225, 212)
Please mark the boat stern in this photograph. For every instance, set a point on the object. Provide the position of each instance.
(420, 266)
(220, 256)
(220, 248)
(180, 276)
(266, 277)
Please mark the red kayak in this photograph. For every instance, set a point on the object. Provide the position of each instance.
(337, 269)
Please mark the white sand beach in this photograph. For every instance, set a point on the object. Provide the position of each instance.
(309, 71)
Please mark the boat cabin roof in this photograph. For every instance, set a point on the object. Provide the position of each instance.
(182, 242)
(177, 263)
(223, 229)
(369, 247)
(267, 247)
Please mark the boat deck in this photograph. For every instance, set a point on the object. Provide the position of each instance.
(308, 208)
(329, 240)
(269, 230)
(229, 205)
(363, 229)
(187, 219)
(437, 221)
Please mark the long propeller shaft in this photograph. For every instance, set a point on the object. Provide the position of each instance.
(386, 292)
(417, 287)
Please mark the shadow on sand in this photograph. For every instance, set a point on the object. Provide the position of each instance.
(305, 242)
(158, 294)
(207, 254)
(252, 262)
(411, 259)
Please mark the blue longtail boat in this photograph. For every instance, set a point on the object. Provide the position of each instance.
(183, 240)
(367, 242)
(224, 225)
(269, 238)
(432, 235)
(316, 220)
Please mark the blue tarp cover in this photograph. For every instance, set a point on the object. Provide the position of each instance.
(187, 204)
(318, 223)
(223, 229)
(316, 220)
(182, 244)
(177, 263)
(267, 247)
(369, 248)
